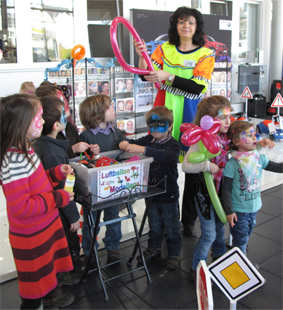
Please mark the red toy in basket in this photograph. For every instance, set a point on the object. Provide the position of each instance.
(105, 161)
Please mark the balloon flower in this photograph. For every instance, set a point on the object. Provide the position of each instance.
(209, 147)
(117, 52)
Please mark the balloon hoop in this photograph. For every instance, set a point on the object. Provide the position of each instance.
(117, 52)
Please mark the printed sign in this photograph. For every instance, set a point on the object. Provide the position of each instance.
(235, 274)
(117, 178)
(144, 96)
(277, 102)
(247, 93)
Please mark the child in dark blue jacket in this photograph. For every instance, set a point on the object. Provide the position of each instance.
(163, 212)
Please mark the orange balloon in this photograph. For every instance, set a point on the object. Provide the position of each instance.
(78, 52)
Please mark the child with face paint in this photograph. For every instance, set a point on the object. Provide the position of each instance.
(35, 229)
(164, 215)
(53, 152)
(242, 180)
(212, 229)
(70, 132)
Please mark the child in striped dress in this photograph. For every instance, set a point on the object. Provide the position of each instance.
(36, 234)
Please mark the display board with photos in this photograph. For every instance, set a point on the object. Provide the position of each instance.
(220, 82)
(131, 97)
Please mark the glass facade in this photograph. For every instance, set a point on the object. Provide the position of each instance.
(52, 30)
(8, 44)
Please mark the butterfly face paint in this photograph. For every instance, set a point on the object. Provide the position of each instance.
(37, 123)
(247, 140)
(63, 119)
(60, 95)
(224, 116)
(155, 124)
(225, 112)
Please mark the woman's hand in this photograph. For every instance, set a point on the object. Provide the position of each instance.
(80, 147)
(213, 168)
(140, 47)
(67, 169)
(231, 218)
(157, 76)
(267, 142)
(75, 226)
(94, 148)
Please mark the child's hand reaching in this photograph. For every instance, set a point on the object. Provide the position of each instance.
(123, 145)
(134, 148)
(80, 147)
(94, 148)
(75, 226)
(213, 168)
(231, 218)
(267, 142)
(67, 169)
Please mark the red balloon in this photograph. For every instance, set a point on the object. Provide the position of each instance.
(187, 126)
(210, 142)
(117, 52)
(216, 126)
(191, 137)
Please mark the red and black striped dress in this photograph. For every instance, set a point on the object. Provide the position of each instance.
(36, 234)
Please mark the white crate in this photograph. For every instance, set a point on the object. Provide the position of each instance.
(108, 181)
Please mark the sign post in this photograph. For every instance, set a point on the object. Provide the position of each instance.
(277, 103)
(247, 95)
(204, 291)
(235, 275)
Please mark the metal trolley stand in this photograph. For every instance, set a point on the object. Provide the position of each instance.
(133, 195)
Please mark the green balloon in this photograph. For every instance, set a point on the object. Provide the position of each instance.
(214, 197)
(196, 157)
(202, 148)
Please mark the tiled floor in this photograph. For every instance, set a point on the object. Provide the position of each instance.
(173, 290)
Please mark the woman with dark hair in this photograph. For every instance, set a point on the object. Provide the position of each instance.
(184, 67)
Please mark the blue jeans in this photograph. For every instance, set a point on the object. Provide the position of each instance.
(242, 230)
(165, 217)
(113, 232)
(212, 234)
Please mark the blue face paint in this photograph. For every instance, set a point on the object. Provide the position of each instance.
(63, 119)
(155, 124)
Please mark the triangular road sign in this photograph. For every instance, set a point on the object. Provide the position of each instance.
(247, 93)
(277, 102)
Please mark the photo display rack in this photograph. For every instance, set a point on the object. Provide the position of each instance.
(131, 97)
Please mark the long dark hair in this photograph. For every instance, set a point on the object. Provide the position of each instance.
(17, 111)
(184, 12)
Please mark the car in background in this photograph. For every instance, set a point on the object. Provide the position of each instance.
(219, 49)
(152, 45)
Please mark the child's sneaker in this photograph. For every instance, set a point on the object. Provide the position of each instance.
(149, 254)
(113, 256)
(57, 298)
(61, 301)
(193, 276)
(68, 278)
(173, 262)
